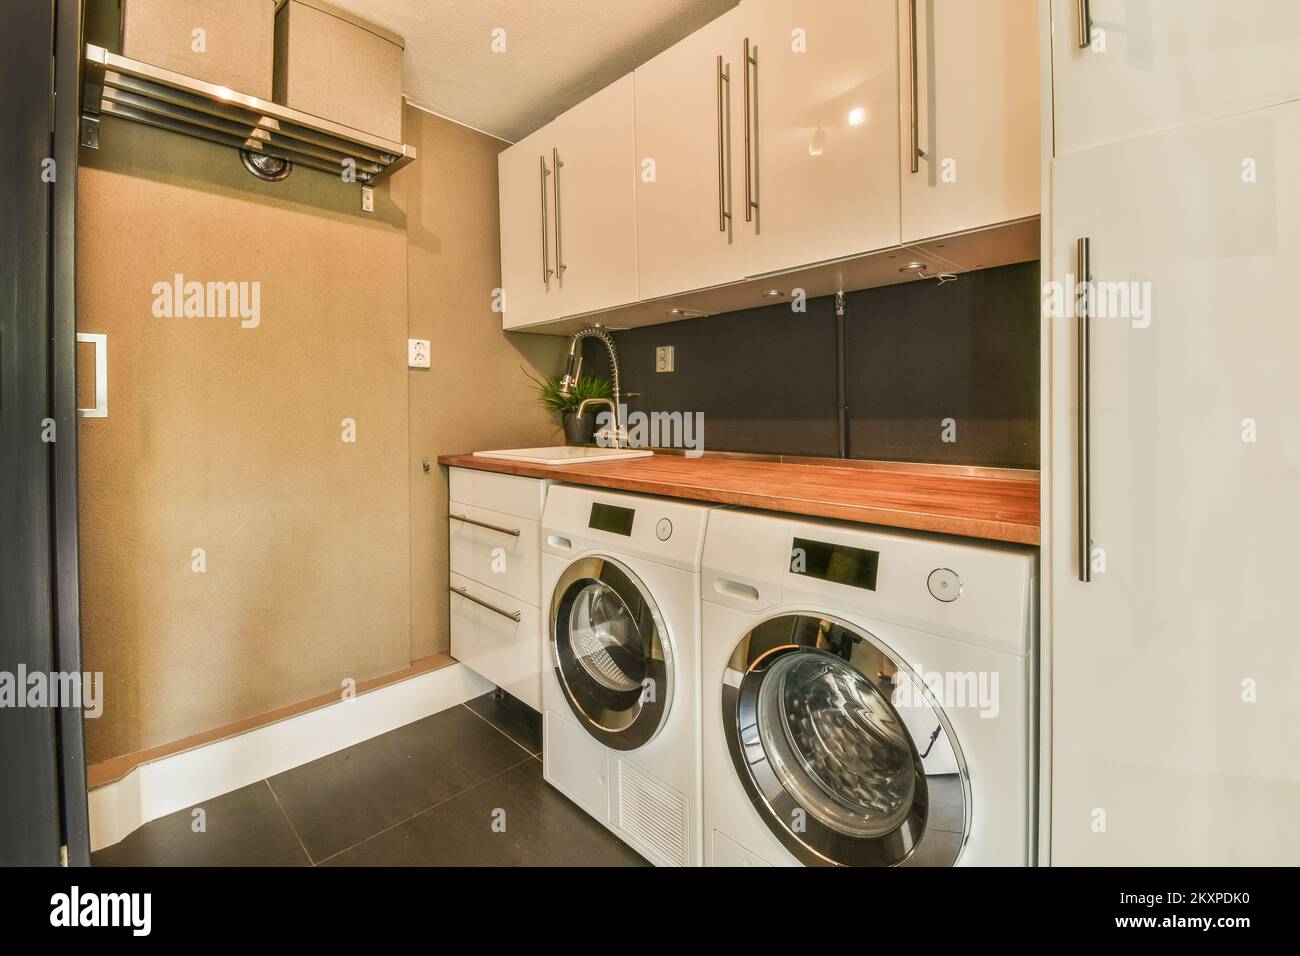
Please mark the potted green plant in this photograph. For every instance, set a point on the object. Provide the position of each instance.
(577, 430)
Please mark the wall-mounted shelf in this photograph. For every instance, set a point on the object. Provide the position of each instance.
(119, 86)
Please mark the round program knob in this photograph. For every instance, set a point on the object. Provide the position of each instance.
(944, 585)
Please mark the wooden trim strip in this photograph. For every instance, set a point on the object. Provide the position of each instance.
(115, 768)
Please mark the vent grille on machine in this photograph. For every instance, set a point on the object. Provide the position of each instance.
(653, 814)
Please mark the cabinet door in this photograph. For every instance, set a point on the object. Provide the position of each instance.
(822, 168)
(532, 292)
(688, 141)
(1174, 709)
(1156, 64)
(595, 201)
(976, 107)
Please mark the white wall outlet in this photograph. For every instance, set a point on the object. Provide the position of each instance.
(367, 199)
(417, 353)
(664, 358)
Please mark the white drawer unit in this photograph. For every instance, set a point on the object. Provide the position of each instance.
(498, 636)
(497, 549)
(494, 524)
(508, 494)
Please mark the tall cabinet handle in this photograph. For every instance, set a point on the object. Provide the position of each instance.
(912, 87)
(547, 271)
(557, 164)
(100, 341)
(1085, 24)
(724, 135)
(1083, 261)
(751, 173)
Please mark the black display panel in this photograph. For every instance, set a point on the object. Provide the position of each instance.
(611, 518)
(837, 563)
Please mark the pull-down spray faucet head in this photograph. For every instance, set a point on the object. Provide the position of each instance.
(572, 368)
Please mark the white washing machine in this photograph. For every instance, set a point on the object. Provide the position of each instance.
(867, 696)
(620, 678)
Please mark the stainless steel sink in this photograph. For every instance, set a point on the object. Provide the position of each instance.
(565, 454)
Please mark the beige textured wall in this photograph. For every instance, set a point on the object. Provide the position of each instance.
(476, 395)
(325, 560)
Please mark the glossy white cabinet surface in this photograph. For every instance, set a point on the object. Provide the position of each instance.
(823, 163)
(532, 291)
(977, 111)
(1175, 717)
(486, 639)
(595, 190)
(1167, 63)
(689, 154)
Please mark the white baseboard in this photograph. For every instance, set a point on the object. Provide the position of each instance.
(181, 780)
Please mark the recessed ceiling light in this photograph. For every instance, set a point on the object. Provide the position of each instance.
(857, 115)
(773, 294)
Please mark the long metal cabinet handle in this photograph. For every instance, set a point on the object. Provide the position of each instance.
(100, 341)
(1085, 24)
(483, 524)
(559, 229)
(1083, 256)
(751, 177)
(912, 86)
(724, 80)
(547, 271)
(513, 615)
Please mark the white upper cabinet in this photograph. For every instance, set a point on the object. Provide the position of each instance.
(530, 288)
(1157, 64)
(974, 105)
(1174, 712)
(819, 176)
(688, 146)
(595, 201)
(568, 213)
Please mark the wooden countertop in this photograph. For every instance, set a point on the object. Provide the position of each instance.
(992, 508)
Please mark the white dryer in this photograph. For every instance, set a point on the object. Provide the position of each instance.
(620, 681)
(867, 696)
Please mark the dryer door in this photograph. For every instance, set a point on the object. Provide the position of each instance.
(611, 653)
(841, 749)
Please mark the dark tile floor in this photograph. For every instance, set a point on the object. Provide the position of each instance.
(461, 788)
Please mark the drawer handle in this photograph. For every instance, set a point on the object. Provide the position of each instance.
(735, 589)
(513, 615)
(513, 532)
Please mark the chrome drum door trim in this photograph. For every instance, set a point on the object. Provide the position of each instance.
(912, 836)
(622, 718)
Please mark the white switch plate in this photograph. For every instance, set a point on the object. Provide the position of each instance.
(664, 358)
(417, 353)
(367, 199)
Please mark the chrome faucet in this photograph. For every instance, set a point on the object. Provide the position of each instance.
(573, 366)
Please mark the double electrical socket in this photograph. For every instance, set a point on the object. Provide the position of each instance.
(664, 358)
(417, 353)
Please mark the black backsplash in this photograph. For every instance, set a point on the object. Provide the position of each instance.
(916, 355)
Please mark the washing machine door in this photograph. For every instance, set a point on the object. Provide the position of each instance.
(611, 652)
(840, 747)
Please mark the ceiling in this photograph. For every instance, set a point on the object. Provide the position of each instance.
(557, 52)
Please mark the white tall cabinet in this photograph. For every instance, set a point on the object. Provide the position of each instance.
(1156, 64)
(974, 158)
(1174, 721)
(820, 180)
